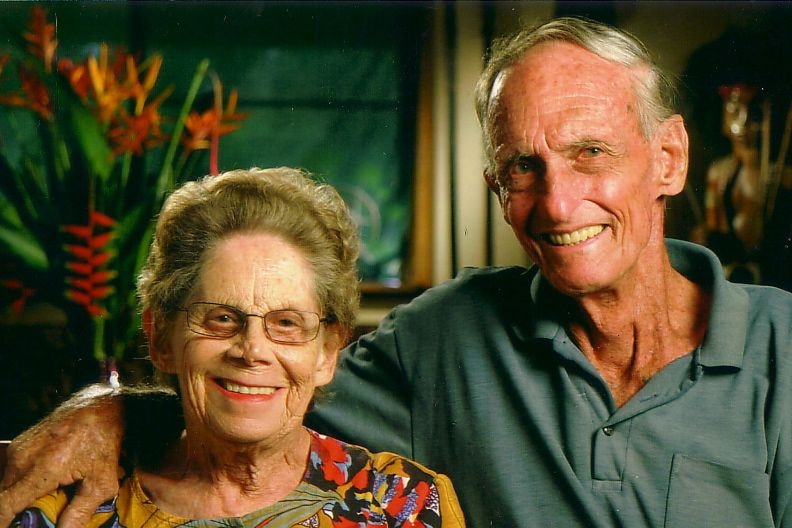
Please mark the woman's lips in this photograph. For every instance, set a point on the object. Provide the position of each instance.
(238, 390)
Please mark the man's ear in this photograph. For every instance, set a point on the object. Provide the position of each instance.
(492, 182)
(161, 358)
(672, 141)
(494, 186)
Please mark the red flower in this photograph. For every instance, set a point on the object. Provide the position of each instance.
(90, 286)
(18, 306)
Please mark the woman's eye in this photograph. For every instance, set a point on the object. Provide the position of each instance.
(222, 317)
(289, 321)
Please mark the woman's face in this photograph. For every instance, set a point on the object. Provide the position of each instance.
(248, 388)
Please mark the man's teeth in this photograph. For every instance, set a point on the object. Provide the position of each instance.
(575, 237)
(245, 389)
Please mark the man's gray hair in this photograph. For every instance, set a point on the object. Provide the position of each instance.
(655, 92)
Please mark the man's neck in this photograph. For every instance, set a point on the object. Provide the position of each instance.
(632, 332)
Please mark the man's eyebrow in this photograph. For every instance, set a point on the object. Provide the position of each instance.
(591, 142)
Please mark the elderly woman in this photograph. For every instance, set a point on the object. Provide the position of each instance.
(249, 293)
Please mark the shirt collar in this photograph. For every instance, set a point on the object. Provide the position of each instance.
(727, 327)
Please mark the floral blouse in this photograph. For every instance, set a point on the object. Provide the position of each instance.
(345, 486)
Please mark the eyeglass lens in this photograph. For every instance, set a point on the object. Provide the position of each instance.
(220, 320)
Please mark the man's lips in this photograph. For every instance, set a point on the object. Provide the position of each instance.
(573, 237)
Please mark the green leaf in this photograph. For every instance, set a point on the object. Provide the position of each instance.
(22, 244)
(90, 135)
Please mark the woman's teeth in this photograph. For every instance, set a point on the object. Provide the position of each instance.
(245, 389)
(575, 237)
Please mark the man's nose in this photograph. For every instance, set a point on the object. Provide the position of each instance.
(560, 191)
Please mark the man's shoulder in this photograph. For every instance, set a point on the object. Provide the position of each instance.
(768, 303)
(479, 284)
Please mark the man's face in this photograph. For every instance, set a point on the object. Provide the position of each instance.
(577, 178)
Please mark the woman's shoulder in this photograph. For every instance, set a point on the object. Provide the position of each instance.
(339, 462)
(45, 511)
(384, 484)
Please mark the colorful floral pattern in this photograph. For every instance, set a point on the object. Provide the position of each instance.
(345, 486)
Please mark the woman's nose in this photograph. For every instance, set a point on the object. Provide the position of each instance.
(253, 345)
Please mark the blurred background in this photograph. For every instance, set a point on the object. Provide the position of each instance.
(104, 106)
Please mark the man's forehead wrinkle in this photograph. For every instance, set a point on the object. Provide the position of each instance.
(559, 120)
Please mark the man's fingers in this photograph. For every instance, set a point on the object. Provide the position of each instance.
(87, 498)
(16, 497)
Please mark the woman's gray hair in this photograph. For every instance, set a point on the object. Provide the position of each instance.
(282, 201)
(655, 92)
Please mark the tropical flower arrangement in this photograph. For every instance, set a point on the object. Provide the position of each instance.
(86, 165)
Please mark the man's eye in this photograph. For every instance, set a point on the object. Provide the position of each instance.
(521, 173)
(524, 165)
(593, 151)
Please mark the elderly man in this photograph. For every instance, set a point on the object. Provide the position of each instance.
(619, 382)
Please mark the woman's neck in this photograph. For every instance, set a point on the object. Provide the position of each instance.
(215, 479)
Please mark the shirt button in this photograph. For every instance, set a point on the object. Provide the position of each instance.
(607, 430)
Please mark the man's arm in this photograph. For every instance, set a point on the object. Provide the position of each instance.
(3, 450)
(368, 402)
(80, 444)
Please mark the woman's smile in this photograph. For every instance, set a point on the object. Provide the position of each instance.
(241, 389)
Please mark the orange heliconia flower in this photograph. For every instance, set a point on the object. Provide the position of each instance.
(41, 37)
(141, 90)
(108, 92)
(77, 75)
(204, 129)
(36, 97)
(42, 44)
(135, 133)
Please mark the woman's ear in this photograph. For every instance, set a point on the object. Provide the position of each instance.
(160, 357)
(672, 140)
(334, 340)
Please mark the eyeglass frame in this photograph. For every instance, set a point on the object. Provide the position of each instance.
(245, 315)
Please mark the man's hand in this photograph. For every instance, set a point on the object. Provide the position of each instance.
(79, 444)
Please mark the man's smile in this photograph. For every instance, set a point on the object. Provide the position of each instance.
(573, 237)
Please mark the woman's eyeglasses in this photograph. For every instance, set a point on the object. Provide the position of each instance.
(281, 326)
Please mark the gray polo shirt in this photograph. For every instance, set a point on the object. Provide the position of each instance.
(477, 378)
